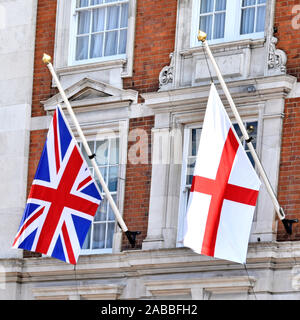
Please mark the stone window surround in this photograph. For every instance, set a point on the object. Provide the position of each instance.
(182, 107)
(63, 45)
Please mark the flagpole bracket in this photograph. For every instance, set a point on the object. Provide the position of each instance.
(92, 156)
(288, 225)
(131, 236)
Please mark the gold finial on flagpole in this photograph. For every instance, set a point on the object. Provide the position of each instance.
(202, 36)
(46, 58)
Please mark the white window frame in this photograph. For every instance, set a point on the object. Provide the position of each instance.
(73, 33)
(183, 188)
(111, 130)
(232, 24)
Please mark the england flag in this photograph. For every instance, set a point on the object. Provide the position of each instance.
(63, 198)
(224, 190)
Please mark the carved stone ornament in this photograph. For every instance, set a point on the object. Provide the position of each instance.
(277, 58)
(166, 74)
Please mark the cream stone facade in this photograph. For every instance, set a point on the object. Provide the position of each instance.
(162, 268)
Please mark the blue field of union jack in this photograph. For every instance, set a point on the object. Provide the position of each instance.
(63, 198)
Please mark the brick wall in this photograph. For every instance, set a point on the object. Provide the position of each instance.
(289, 178)
(44, 43)
(154, 41)
(288, 33)
(138, 182)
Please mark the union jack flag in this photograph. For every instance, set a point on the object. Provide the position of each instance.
(63, 198)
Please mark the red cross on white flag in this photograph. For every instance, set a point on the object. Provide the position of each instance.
(224, 190)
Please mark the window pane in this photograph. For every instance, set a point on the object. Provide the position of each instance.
(190, 170)
(111, 39)
(113, 178)
(219, 25)
(248, 3)
(83, 22)
(94, 2)
(82, 45)
(220, 5)
(102, 211)
(111, 215)
(82, 3)
(110, 233)
(99, 235)
(96, 45)
(261, 1)
(207, 6)
(107, 1)
(87, 241)
(112, 21)
(98, 20)
(87, 159)
(260, 20)
(123, 41)
(102, 152)
(103, 171)
(195, 141)
(206, 25)
(247, 22)
(114, 151)
(252, 132)
(124, 15)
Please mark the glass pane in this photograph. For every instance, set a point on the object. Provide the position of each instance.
(111, 39)
(237, 130)
(98, 20)
(207, 6)
(103, 171)
(219, 25)
(113, 178)
(261, 1)
(111, 215)
(252, 132)
(114, 151)
(99, 236)
(94, 2)
(206, 25)
(96, 45)
(248, 3)
(87, 241)
(87, 159)
(83, 22)
(112, 21)
(107, 1)
(101, 213)
(260, 19)
(102, 152)
(124, 15)
(247, 23)
(110, 234)
(195, 141)
(123, 41)
(220, 5)
(190, 170)
(82, 44)
(82, 3)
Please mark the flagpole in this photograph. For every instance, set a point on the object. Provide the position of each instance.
(279, 210)
(130, 235)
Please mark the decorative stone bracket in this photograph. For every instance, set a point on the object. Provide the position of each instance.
(277, 58)
(166, 75)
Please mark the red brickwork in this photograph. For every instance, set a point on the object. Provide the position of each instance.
(288, 33)
(289, 178)
(138, 182)
(154, 41)
(44, 43)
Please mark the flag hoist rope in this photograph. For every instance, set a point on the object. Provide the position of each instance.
(279, 210)
(130, 235)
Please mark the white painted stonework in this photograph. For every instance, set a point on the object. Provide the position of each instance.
(17, 34)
